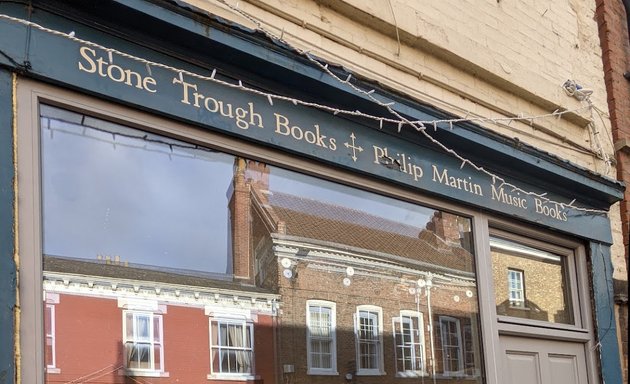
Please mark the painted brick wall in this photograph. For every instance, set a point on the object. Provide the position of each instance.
(615, 42)
(488, 58)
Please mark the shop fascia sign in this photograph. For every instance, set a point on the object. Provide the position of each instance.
(307, 131)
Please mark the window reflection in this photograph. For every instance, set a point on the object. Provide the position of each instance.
(183, 263)
(530, 283)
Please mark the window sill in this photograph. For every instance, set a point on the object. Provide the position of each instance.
(53, 370)
(232, 377)
(519, 308)
(411, 374)
(456, 375)
(142, 373)
(370, 372)
(318, 372)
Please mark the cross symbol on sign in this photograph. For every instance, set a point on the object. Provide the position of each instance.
(354, 148)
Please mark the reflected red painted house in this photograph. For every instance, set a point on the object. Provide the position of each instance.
(164, 328)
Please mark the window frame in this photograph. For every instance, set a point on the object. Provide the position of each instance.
(378, 312)
(50, 307)
(522, 301)
(246, 323)
(421, 342)
(152, 371)
(575, 275)
(460, 346)
(333, 338)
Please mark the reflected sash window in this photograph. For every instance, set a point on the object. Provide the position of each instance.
(538, 285)
(231, 347)
(516, 288)
(452, 358)
(49, 330)
(144, 349)
(369, 336)
(321, 341)
(409, 343)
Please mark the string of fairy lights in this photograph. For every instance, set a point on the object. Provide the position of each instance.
(504, 121)
(421, 126)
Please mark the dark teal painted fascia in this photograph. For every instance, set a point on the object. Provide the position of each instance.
(121, 23)
(251, 43)
(608, 348)
(7, 264)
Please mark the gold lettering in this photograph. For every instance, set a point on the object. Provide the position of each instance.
(185, 86)
(121, 74)
(149, 81)
(254, 118)
(379, 153)
(241, 114)
(282, 125)
(92, 65)
(116, 73)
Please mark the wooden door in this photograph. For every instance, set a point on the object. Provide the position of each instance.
(539, 361)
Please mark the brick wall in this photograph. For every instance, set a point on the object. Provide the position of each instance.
(615, 42)
(391, 295)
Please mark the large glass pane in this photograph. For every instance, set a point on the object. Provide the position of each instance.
(530, 283)
(120, 197)
(222, 257)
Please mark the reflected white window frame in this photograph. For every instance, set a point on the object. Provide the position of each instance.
(135, 340)
(50, 335)
(247, 327)
(516, 287)
(444, 320)
(417, 368)
(373, 312)
(469, 353)
(332, 339)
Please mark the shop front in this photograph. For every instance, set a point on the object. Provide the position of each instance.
(196, 203)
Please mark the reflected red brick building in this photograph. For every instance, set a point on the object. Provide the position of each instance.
(105, 325)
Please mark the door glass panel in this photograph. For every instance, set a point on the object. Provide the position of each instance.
(530, 283)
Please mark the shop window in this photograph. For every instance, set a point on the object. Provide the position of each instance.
(134, 212)
(409, 344)
(369, 335)
(232, 349)
(321, 337)
(143, 342)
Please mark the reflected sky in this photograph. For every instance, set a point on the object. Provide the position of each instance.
(111, 195)
(110, 190)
